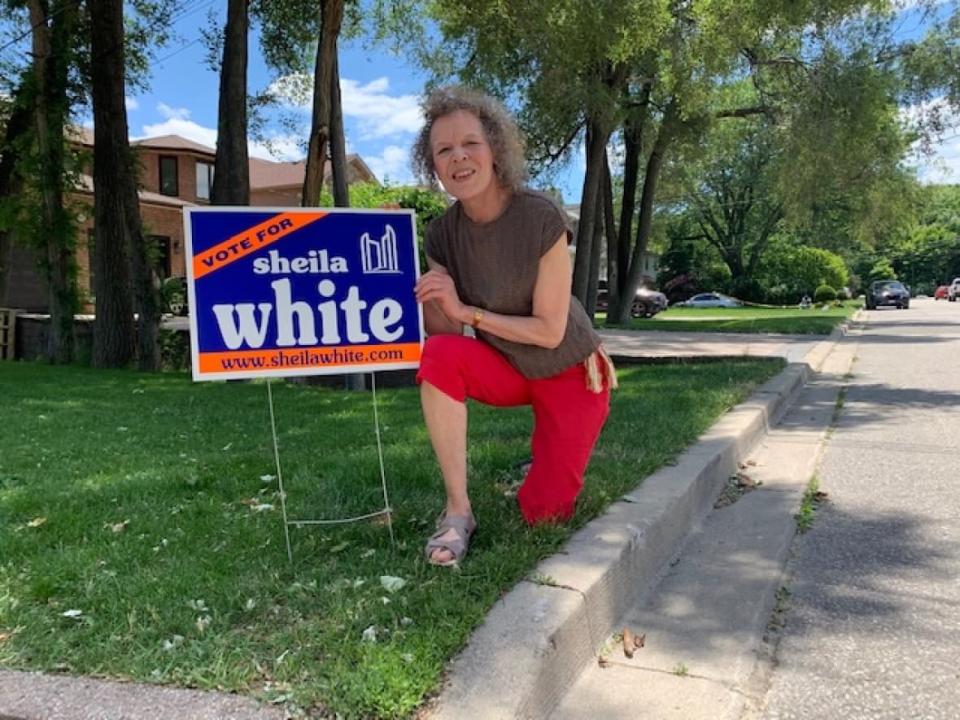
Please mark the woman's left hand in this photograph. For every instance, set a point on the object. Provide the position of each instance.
(438, 286)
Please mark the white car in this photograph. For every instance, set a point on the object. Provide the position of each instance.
(711, 300)
(953, 292)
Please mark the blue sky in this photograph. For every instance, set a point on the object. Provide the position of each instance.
(380, 93)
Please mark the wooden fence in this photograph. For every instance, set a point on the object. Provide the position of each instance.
(8, 330)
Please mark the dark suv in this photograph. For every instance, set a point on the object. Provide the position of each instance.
(646, 303)
(888, 292)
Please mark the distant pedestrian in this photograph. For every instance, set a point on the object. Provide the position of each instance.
(498, 263)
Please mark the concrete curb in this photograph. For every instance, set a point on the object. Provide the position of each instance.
(536, 641)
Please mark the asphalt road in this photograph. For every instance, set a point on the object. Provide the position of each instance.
(872, 624)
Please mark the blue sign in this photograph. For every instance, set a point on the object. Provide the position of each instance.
(301, 291)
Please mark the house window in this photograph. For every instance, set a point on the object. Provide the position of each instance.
(204, 179)
(168, 175)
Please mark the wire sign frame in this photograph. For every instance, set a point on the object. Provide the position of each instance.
(288, 292)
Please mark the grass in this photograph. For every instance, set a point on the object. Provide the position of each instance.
(792, 321)
(141, 537)
(808, 505)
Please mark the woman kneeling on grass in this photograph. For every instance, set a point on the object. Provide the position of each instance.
(498, 262)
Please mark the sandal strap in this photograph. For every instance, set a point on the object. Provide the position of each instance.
(463, 527)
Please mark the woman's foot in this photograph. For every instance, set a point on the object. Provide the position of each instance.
(449, 544)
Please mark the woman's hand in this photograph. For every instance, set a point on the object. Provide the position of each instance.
(437, 286)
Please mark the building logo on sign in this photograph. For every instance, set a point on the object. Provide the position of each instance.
(380, 256)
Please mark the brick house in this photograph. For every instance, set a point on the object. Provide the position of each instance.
(174, 173)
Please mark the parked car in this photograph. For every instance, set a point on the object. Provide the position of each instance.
(953, 292)
(711, 300)
(941, 292)
(646, 302)
(887, 293)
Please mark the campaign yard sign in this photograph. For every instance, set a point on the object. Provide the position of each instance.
(301, 291)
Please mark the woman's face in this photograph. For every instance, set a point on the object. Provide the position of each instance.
(462, 157)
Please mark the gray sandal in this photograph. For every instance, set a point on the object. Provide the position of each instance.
(463, 527)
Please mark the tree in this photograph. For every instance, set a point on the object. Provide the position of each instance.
(331, 18)
(113, 339)
(730, 193)
(231, 174)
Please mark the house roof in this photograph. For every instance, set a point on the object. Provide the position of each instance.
(264, 174)
(173, 142)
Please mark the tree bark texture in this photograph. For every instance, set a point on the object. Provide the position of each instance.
(231, 172)
(55, 232)
(338, 142)
(650, 179)
(596, 146)
(339, 170)
(331, 16)
(18, 126)
(113, 335)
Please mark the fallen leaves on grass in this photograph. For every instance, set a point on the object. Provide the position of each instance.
(117, 528)
(73, 614)
(37, 522)
(391, 583)
(370, 634)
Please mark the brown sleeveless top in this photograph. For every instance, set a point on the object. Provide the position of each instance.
(494, 266)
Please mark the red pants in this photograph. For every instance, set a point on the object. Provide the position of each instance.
(567, 416)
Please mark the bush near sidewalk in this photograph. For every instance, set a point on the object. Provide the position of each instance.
(141, 533)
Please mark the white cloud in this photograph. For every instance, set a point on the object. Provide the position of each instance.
(936, 161)
(279, 147)
(131, 103)
(392, 164)
(377, 113)
(172, 113)
(943, 166)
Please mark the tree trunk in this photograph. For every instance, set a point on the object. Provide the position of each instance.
(596, 248)
(338, 142)
(231, 172)
(618, 262)
(113, 341)
(596, 145)
(18, 125)
(339, 169)
(613, 241)
(331, 17)
(650, 179)
(145, 280)
(54, 231)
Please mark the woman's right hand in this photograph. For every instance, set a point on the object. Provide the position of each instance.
(437, 286)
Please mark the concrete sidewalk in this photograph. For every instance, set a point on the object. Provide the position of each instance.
(540, 637)
(652, 344)
(539, 640)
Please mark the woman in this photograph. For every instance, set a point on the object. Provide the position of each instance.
(498, 262)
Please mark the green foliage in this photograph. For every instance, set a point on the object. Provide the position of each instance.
(428, 204)
(174, 350)
(824, 294)
(881, 270)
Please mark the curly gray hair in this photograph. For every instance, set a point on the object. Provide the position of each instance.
(500, 128)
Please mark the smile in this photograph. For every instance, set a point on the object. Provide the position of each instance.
(460, 175)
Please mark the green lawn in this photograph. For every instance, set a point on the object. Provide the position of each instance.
(141, 536)
(813, 321)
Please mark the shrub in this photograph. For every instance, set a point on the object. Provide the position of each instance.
(824, 294)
